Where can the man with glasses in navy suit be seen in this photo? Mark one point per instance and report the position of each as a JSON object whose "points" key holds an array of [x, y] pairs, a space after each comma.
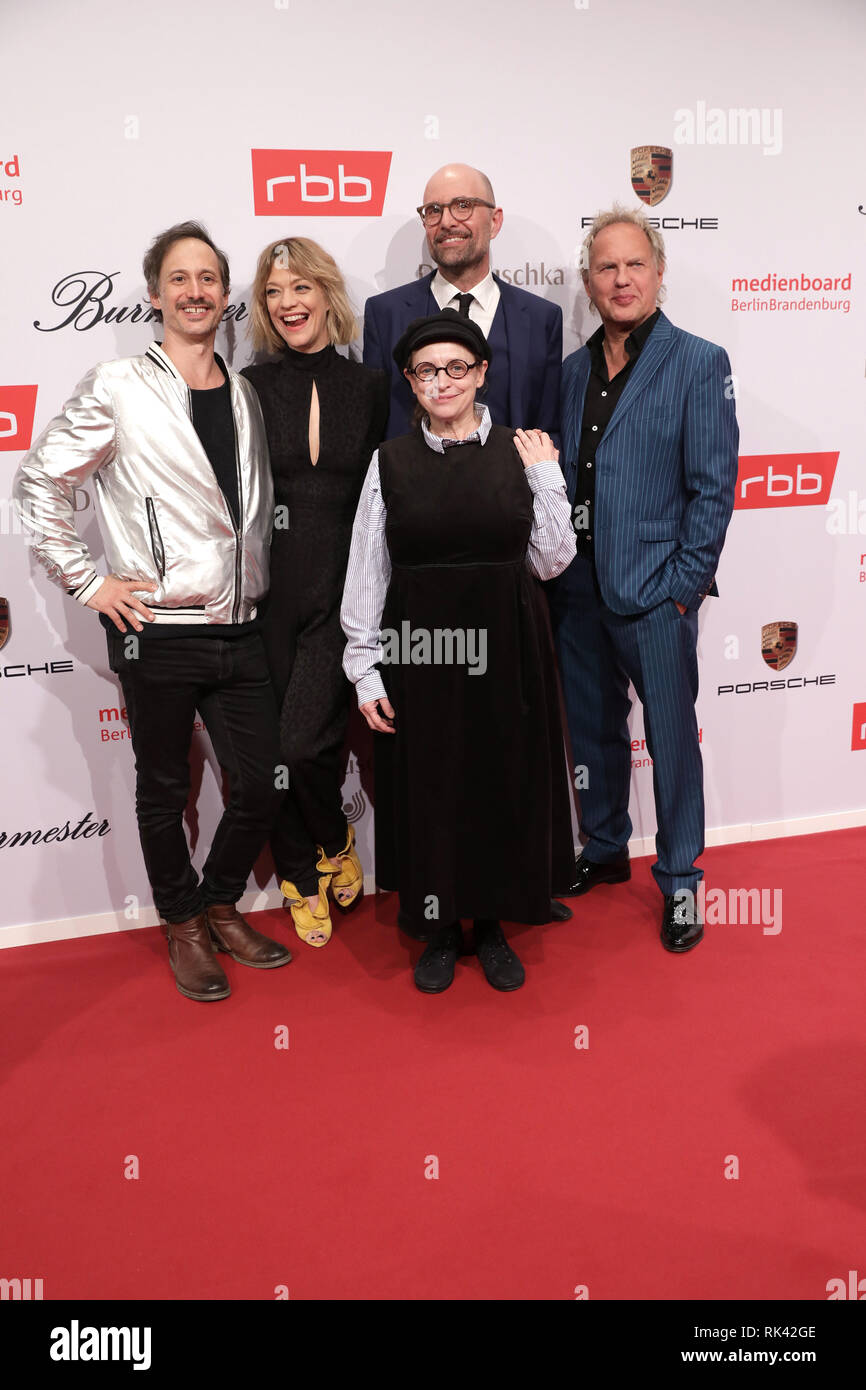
{"points": [[461, 218], [649, 445]]}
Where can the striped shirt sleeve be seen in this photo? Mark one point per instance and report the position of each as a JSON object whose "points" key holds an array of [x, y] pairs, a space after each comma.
{"points": [[552, 542], [367, 577]]}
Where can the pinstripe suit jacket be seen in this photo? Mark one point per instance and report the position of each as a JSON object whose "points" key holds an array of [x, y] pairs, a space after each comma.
{"points": [[666, 470]]}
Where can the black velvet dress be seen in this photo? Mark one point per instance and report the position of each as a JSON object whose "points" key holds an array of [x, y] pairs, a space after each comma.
{"points": [[315, 507], [473, 813]]}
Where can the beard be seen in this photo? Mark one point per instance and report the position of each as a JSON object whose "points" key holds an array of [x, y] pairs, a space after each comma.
{"points": [[462, 256]]}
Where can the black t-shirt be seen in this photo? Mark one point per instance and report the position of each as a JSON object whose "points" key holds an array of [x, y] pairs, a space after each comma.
{"points": [[215, 426]]}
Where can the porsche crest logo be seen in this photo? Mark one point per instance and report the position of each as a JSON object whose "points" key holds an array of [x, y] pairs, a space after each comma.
{"points": [[779, 644], [4, 621], [651, 172]]}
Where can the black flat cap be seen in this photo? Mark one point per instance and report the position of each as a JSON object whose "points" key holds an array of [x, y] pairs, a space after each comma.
{"points": [[447, 327]]}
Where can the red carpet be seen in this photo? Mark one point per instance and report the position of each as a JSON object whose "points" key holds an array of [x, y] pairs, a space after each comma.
{"points": [[558, 1166]]}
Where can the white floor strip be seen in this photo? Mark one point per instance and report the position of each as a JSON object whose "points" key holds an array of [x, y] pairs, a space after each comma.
{"points": [[30, 934]]}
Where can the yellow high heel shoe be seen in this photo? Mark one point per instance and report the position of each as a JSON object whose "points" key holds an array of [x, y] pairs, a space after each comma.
{"points": [[309, 924], [349, 882]]}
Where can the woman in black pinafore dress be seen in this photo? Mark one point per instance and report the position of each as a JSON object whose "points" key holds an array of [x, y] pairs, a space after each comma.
{"points": [[324, 416], [454, 664]]}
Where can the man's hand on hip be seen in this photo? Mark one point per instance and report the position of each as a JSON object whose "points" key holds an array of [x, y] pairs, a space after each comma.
{"points": [[115, 598]]}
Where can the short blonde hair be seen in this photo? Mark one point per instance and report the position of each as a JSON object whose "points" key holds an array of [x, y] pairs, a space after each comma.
{"points": [[304, 257], [637, 218]]}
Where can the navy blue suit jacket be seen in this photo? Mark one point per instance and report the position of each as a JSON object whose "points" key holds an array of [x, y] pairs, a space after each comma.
{"points": [[534, 328], [666, 470]]}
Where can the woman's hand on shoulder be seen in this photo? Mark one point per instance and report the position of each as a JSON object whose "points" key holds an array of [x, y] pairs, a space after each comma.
{"points": [[370, 711], [534, 446]]}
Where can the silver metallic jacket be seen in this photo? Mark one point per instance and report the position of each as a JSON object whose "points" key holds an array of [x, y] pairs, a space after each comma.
{"points": [[162, 514]]}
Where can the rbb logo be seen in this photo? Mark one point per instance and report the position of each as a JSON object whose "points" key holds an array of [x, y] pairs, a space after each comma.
{"points": [[858, 727], [785, 480], [320, 183], [17, 408]]}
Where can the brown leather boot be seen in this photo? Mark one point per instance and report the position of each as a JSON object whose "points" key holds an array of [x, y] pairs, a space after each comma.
{"points": [[198, 974], [242, 942]]}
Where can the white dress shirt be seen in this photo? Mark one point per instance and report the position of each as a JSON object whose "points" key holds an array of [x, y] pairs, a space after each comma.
{"points": [[484, 305], [551, 549]]}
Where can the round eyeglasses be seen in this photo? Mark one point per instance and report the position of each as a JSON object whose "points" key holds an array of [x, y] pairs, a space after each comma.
{"points": [[461, 209], [426, 371]]}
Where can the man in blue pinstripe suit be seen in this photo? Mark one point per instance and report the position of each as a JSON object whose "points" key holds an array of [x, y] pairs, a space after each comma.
{"points": [[649, 437]]}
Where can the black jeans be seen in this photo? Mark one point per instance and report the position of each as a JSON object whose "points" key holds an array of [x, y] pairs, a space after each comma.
{"points": [[228, 682]]}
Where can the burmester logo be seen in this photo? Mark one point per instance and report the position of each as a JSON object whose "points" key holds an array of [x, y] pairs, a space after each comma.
{"points": [[785, 480], [320, 183], [17, 408]]}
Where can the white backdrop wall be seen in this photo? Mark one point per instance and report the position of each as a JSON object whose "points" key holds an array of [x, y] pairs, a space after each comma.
{"points": [[117, 119]]}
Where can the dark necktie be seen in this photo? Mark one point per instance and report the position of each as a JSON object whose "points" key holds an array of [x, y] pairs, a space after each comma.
{"points": [[464, 300]]}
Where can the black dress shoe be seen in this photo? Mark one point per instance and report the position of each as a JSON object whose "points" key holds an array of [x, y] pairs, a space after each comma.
{"points": [[559, 912], [498, 961], [681, 927], [587, 874], [435, 970]]}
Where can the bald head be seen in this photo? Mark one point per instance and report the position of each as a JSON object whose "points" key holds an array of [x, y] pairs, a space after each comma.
{"points": [[462, 180], [460, 245]]}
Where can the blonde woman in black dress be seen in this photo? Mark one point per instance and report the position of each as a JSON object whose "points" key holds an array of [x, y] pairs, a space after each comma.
{"points": [[324, 417]]}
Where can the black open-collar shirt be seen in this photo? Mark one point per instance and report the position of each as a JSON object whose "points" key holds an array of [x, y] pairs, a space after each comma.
{"points": [[602, 395]]}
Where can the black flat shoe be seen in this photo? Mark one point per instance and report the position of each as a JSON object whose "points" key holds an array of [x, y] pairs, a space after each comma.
{"points": [[588, 874], [499, 963], [435, 970], [559, 912], [681, 927]]}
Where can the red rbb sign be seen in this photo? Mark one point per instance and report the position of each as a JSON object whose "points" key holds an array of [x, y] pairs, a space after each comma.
{"points": [[784, 480], [17, 408], [320, 183], [858, 727]]}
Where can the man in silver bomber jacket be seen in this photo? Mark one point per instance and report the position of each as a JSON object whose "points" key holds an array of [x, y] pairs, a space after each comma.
{"points": [[174, 443]]}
